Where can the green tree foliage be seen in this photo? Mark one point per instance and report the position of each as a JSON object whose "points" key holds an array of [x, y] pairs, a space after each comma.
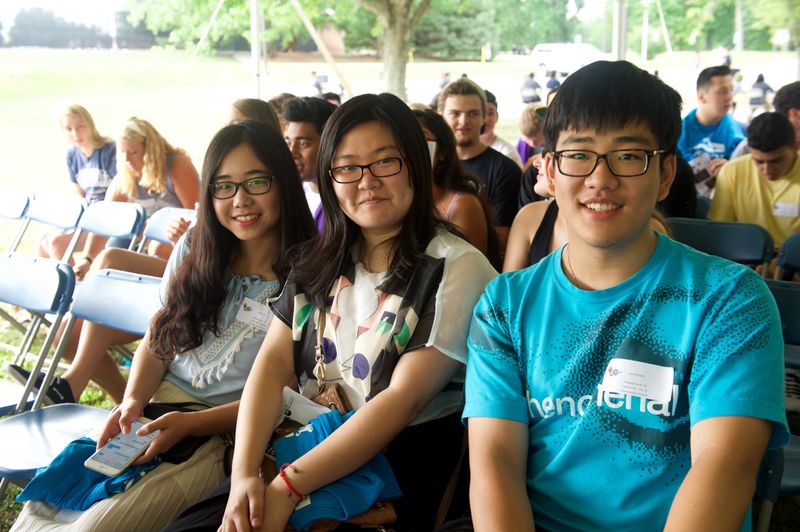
{"points": [[773, 14], [360, 26], [529, 22], [181, 23], [456, 29], [39, 27]]}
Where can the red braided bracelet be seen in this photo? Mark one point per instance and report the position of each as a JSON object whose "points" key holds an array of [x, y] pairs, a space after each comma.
{"points": [[292, 490]]}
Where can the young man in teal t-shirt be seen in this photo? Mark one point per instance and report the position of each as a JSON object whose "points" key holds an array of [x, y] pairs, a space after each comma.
{"points": [[626, 381]]}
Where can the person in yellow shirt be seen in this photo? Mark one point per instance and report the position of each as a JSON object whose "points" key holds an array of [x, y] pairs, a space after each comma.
{"points": [[763, 187]]}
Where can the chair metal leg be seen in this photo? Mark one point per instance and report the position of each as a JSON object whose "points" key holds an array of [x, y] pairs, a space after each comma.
{"points": [[764, 516], [27, 340], [51, 371], [12, 320]]}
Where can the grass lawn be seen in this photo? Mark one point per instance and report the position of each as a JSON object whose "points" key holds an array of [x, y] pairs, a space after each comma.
{"points": [[187, 98]]}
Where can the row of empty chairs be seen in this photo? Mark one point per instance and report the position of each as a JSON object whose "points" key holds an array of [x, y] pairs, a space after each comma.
{"points": [[47, 290], [120, 300], [69, 212]]}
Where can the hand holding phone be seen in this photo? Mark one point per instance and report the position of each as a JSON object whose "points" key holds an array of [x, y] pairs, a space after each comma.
{"points": [[119, 420], [121, 451]]}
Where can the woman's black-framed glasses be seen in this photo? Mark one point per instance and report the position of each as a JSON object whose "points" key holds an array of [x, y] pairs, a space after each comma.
{"points": [[254, 186], [621, 163], [352, 173]]}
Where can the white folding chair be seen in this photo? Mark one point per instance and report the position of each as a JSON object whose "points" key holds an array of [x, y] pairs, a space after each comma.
{"points": [[118, 219], [112, 298], [156, 226], [61, 211], [14, 206], [41, 286]]}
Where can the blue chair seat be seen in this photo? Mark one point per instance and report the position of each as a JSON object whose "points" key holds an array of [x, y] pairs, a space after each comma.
{"points": [[32, 440]]}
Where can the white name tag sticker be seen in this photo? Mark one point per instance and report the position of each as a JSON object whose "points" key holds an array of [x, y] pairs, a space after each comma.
{"points": [[639, 378], [253, 313], [791, 210]]}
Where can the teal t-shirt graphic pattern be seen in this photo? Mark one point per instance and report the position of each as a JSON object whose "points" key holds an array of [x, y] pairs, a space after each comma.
{"points": [[545, 353]]}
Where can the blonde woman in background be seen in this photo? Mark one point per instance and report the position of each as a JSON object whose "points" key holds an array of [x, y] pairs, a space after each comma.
{"points": [[92, 164], [153, 173]]}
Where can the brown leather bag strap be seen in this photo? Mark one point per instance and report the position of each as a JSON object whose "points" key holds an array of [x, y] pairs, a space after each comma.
{"points": [[319, 367]]}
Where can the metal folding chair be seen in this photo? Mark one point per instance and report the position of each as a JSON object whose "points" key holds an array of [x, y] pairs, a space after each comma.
{"points": [[62, 211], [112, 298], [768, 485], [32, 440], [736, 241], [789, 255], [41, 286], [702, 207], [14, 206], [119, 300], [156, 226], [117, 219]]}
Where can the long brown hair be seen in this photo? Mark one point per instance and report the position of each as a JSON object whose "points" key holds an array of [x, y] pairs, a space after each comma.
{"points": [[324, 259], [197, 292]]}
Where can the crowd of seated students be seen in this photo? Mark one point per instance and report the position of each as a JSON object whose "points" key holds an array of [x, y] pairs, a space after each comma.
{"points": [[379, 298]]}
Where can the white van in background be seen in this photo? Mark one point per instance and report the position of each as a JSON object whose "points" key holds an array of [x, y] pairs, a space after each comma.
{"points": [[564, 58]]}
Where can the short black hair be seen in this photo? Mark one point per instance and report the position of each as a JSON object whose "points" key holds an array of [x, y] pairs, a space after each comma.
{"points": [[770, 131], [309, 109], [331, 96], [787, 97], [606, 96], [490, 97], [704, 79]]}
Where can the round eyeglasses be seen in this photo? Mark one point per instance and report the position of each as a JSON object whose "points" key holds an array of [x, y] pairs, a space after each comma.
{"points": [[254, 186], [621, 163], [352, 173]]}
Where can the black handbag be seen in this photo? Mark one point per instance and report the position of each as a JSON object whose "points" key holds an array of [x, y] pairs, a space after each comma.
{"points": [[184, 449]]}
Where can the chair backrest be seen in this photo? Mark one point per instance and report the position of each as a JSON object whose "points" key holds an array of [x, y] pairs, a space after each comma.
{"points": [[14, 203], [38, 285], [113, 219], [787, 296], [119, 300], [702, 206], [63, 211], [156, 226], [119, 219], [14, 206], [789, 255], [737, 241]]}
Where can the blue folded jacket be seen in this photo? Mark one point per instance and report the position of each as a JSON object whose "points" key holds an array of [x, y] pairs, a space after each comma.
{"points": [[67, 484], [348, 496]]}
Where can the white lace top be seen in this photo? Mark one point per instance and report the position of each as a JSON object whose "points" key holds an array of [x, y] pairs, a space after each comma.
{"points": [[215, 372]]}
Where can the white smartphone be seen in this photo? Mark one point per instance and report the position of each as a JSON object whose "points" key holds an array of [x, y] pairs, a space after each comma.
{"points": [[112, 458]]}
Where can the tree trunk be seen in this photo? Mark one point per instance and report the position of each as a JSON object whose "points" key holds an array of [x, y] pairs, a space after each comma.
{"points": [[399, 19], [395, 56]]}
